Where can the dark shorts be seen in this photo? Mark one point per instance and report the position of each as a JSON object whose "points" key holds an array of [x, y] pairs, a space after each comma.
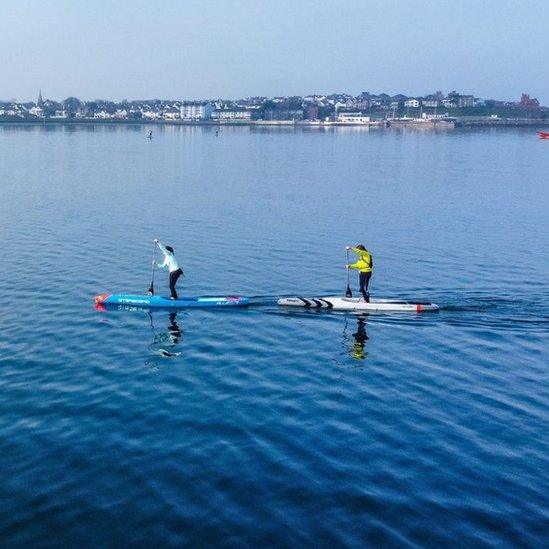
{"points": [[174, 275], [364, 279]]}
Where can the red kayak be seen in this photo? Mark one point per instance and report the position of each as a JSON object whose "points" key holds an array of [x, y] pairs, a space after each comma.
{"points": [[543, 135]]}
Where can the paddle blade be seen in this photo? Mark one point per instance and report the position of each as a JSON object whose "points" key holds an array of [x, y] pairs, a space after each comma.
{"points": [[150, 290], [348, 292]]}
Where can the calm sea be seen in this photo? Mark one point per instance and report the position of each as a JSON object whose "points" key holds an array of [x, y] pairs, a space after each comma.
{"points": [[265, 426]]}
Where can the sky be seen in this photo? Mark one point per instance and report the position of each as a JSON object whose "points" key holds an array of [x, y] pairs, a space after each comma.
{"points": [[193, 49]]}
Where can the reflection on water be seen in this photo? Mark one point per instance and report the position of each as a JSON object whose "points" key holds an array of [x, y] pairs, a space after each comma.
{"points": [[360, 337], [355, 345], [165, 341], [165, 337]]}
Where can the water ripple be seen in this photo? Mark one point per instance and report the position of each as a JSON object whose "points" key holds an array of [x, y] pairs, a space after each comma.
{"points": [[266, 426]]}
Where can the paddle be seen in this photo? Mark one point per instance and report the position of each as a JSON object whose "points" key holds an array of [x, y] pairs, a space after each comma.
{"points": [[348, 292], [151, 287]]}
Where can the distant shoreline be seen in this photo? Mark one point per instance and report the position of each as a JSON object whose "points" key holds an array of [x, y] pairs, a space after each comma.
{"points": [[429, 124]]}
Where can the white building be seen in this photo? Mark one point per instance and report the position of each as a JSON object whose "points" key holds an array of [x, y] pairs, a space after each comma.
{"points": [[171, 113], [196, 111], [449, 103], [102, 115], [37, 111], [414, 103], [352, 118], [466, 101], [232, 114], [151, 115], [431, 103]]}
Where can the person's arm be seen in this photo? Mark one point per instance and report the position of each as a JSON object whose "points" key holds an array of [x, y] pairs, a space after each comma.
{"points": [[162, 265], [353, 266], [162, 248], [365, 255]]}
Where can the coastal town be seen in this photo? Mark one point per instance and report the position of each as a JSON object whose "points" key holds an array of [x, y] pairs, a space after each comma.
{"points": [[366, 109]]}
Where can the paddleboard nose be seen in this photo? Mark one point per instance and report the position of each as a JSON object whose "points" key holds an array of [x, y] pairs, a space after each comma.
{"points": [[101, 298]]}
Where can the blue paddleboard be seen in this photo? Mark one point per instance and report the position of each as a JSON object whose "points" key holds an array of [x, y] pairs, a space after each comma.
{"points": [[166, 302]]}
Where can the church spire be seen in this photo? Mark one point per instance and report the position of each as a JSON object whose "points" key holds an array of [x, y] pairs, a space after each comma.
{"points": [[40, 100]]}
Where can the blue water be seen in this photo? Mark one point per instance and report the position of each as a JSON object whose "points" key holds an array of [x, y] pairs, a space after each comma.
{"points": [[265, 426]]}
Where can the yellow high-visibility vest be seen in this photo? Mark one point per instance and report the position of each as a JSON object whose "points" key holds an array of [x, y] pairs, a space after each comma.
{"points": [[364, 263]]}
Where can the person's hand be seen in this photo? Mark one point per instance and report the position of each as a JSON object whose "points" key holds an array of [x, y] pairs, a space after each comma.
{"points": [[154, 262], [347, 266], [155, 240], [347, 247]]}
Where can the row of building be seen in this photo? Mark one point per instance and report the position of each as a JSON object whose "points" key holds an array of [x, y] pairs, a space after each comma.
{"points": [[335, 107]]}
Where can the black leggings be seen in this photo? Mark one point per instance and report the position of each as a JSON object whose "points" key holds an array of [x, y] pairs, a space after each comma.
{"points": [[174, 275], [364, 279]]}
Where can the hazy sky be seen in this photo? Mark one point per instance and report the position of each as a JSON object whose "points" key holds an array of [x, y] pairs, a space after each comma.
{"points": [[236, 48]]}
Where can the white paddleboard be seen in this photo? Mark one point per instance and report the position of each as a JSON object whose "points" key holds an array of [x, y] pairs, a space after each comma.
{"points": [[357, 304]]}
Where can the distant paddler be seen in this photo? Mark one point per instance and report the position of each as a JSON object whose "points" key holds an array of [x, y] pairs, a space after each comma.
{"points": [[171, 264], [364, 267]]}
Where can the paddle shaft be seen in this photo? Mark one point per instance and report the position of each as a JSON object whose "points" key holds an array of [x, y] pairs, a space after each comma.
{"points": [[151, 287], [348, 292]]}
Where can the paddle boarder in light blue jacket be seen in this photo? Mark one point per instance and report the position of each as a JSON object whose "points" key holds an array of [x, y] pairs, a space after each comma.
{"points": [[171, 264]]}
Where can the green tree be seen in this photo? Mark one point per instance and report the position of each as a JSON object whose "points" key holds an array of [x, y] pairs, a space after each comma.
{"points": [[71, 104], [267, 110]]}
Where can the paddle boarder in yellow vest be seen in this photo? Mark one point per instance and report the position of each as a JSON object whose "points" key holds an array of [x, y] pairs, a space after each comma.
{"points": [[364, 267]]}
